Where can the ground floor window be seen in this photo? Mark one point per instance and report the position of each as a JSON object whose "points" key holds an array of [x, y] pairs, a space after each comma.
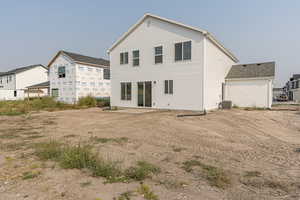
{"points": [[125, 91], [168, 86], [15, 93], [54, 93]]}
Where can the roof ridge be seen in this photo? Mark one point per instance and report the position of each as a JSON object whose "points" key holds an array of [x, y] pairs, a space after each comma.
{"points": [[68, 52]]}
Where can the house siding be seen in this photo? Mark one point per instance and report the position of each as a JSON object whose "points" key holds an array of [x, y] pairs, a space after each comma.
{"points": [[250, 93], [217, 66], [187, 76]]}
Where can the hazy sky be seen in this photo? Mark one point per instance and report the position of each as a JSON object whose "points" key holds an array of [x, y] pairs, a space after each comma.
{"points": [[32, 31]]}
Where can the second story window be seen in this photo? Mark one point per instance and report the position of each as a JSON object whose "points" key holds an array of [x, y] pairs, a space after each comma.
{"points": [[124, 58], [183, 51], [10, 78], [62, 72], [136, 58], [158, 54], [106, 74]]}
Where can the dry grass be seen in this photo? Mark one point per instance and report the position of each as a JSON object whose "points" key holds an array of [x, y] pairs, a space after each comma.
{"points": [[216, 176]]}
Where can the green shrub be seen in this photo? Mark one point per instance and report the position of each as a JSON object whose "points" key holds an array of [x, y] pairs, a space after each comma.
{"points": [[215, 176], [147, 193], [49, 151], [30, 175], [87, 101], [142, 171], [103, 102]]}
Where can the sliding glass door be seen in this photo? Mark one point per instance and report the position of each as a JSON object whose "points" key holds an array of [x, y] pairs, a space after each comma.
{"points": [[144, 94]]}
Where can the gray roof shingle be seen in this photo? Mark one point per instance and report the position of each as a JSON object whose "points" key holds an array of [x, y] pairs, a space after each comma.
{"points": [[42, 85], [254, 70], [86, 59], [21, 69]]}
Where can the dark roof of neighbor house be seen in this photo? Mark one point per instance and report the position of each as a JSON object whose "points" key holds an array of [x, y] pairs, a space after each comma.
{"points": [[40, 85], [82, 59], [296, 76], [254, 70], [21, 69]]}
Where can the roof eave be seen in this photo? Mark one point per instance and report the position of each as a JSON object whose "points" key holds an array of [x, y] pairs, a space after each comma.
{"points": [[251, 78]]}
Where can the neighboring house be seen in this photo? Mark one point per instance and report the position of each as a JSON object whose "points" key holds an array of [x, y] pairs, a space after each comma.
{"points": [[14, 82], [251, 85], [38, 90], [292, 88], [73, 76], [277, 92], [160, 63]]}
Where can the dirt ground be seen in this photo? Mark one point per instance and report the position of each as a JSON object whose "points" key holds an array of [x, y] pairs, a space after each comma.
{"points": [[257, 150]]}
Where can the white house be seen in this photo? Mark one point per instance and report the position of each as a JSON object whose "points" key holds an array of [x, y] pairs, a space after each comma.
{"points": [[160, 63], [14, 83], [73, 76], [251, 85]]}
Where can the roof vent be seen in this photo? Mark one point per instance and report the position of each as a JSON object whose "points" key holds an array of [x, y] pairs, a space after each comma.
{"points": [[258, 64], [244, 65]]}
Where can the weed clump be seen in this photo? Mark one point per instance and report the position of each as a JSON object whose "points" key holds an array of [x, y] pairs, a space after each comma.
{"points": [[215, 176]]}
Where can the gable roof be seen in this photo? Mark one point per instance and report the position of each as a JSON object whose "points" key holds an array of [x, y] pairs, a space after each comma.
{"points": [[21, 69], [255, 70], [82, 59], [204, 32]]}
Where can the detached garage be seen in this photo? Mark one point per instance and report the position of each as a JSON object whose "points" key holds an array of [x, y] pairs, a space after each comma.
{"points": [[250, 85]]}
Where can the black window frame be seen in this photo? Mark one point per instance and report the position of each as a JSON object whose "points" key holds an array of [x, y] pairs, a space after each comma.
{"points": [[169, 87], [60, 73], [136, 58], [183, 51], [56, 89], [124, 58], [106, 74], [126, 91], [158, 56]]}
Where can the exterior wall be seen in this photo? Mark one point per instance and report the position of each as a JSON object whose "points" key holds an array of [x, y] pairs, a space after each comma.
{"points": [[31, 77], [65, 86], [9, 95], [187, 76], [296, 95], [8, 85], [217, 66], [80, 81], [249, 93], [90, 81]]}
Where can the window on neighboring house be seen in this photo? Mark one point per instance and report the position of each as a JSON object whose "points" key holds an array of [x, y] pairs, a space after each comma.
{"points": [[168, 86], [136, 58], [7, 79], [297, 84], [62, 72], [183, 51], [125, 91], [158, 54], [55, 93], [1, 80], [124, 58], [15, 93], [10, 78], [106, 74]]}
